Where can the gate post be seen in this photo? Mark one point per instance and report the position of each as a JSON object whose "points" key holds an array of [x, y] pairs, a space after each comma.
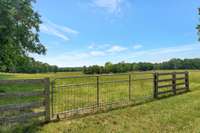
{"points": [[155, 81], [187, 81], [174, 82], [52, 94], [97, 91], [129, 91], [47, 99]]}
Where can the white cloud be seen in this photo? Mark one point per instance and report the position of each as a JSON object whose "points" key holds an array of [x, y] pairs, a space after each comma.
{"points": [[105, 49], [97, 53], [52, 31], [59, 31], [137, 46], [80, 58], [112, 6], [116, 49], [98, 46], [167, 50], [63, 28], [71, 59], [92, 46]]}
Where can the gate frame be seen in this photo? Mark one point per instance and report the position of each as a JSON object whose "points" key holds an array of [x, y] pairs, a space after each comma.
{"points": [[174, 78], [98, 105]]}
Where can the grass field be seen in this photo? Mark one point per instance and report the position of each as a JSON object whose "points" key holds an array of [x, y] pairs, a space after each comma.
{"points": [[174, 114]]}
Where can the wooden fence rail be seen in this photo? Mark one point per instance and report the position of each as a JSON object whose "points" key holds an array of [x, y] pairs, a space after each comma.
{"points": [[44, 96], [169, 83], [164, 83]]}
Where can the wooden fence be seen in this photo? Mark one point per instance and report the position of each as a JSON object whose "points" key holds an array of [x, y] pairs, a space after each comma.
{"points": [[66, 98], [172, 82], [24, 116]]}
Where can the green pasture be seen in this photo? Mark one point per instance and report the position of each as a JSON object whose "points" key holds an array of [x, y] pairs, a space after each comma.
{"points": [[173, 114]]}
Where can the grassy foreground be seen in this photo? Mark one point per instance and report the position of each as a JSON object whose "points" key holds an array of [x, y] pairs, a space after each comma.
{"points": [[174, 114]]}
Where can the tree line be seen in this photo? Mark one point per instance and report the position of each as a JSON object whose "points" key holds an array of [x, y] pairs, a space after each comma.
{"points": [[30, 65], [19, 37], [143, 66]]}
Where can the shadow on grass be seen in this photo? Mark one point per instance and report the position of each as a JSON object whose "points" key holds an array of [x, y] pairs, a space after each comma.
{"points": [[136, 104], [35, 126]]}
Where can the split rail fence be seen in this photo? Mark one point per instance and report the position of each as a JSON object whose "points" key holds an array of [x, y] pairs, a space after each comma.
{"points": [[70, 96], [24, 111], [174, 82], [86, 94]]}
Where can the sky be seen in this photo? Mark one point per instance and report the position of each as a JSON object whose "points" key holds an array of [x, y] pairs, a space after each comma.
{"points": [[89, 32]]}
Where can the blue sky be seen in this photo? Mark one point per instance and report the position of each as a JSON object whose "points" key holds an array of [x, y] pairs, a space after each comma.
{"points": [[88, 32]]}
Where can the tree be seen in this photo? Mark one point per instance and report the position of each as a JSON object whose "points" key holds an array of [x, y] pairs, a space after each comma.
{"points": [[19, 27], [108, 67], [143, 66]]}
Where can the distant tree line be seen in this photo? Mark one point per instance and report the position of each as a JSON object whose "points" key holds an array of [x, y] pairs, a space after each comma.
{"points": [[29, 65], [70, 69], [143, 66]]}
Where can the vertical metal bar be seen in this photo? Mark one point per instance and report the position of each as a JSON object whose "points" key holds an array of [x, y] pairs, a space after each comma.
{"points": [[97, 91], [47, 99], [187, 81], [66, 100], [63, 99], [174, 82], [155, 90], [52, 93], [129, 92]]}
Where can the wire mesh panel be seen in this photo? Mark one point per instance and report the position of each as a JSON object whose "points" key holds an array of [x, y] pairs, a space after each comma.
{"points": [[142, 85], [72, 95], [85, 94], [114, 89]]}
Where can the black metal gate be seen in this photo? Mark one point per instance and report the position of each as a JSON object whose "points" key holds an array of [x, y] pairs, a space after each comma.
{"points": [[86, 94]]}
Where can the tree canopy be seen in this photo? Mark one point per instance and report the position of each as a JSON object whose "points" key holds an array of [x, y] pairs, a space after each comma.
{"points": [[122, 67], [19, 27]]}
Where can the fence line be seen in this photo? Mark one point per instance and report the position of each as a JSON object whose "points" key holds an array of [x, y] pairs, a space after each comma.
{"points": [[96, 92], [25, 106], [84, 94]]}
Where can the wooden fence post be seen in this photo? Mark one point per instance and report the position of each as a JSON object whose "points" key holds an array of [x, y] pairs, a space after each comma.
{"points": [[155, 90], [47, 99], [97, 91], [174, 82], [187, 81], [129, 91]]}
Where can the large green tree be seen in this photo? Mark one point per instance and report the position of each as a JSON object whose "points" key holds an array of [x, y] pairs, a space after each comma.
{"points": [[19, 27]]}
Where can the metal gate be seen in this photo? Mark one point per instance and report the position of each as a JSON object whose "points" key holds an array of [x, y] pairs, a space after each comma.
{"points": [[87, 94], [72, 96]]}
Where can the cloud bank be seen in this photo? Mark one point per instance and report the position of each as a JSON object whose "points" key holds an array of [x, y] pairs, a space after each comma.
{"points": [[59, 31]]}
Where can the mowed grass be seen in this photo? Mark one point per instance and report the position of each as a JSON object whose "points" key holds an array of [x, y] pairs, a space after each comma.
{"points": [[174, 114]]}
